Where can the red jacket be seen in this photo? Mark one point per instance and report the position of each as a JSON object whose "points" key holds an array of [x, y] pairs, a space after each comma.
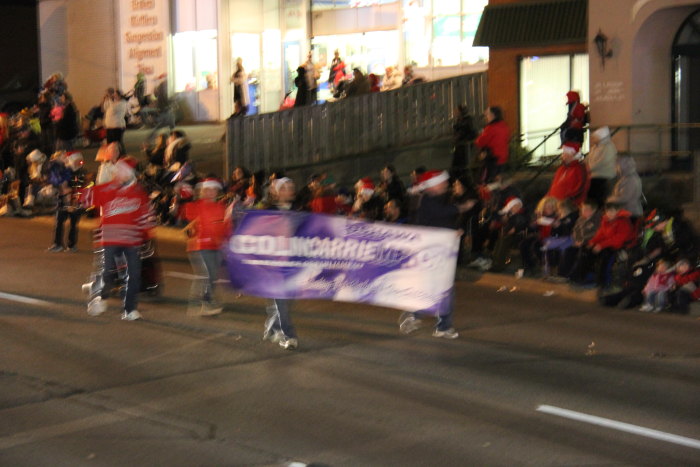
{"points": [[614, 233], [126, 213], [210, 228], [571, 182], [690, 277], [496, 138]]}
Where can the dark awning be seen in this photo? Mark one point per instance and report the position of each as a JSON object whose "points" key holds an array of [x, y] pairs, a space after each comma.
{"points": [[533, 24]]}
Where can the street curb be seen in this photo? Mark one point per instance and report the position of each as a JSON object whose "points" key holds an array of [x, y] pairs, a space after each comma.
{"points": [[502, 282], [507, 283]]}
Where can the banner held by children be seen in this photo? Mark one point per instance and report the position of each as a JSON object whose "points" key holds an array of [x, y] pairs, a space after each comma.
{"points": [[282, 254]]}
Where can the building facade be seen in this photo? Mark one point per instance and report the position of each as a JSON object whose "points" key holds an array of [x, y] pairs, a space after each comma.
{"points": [[635, 62], [101, 43]]}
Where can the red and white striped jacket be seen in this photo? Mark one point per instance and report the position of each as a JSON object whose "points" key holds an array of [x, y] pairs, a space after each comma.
{"points": [[126, 214]]}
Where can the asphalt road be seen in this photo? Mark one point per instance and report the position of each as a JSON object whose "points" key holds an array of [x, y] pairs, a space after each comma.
{"points": [[532, 380]]}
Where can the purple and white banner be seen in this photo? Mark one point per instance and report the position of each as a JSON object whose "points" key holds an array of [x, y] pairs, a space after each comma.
{"points": [[282, 254]]}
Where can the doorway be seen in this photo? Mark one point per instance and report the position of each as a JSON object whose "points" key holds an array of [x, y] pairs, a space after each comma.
{"points": [[686, 95]]}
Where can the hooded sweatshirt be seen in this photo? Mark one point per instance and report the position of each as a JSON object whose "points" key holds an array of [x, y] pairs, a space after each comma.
{"points": [[614, 233], [628, 189], [603, 156]]}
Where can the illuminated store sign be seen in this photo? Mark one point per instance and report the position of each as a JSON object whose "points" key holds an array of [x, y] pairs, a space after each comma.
{"points": [[144, 28]]}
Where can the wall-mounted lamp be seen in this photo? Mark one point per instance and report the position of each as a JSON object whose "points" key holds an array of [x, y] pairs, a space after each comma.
{"points": [[601, 43]]}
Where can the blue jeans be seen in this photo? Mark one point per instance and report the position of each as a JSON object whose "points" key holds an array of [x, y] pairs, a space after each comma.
{"points": [[444, 321], [133, 273], [279, 317], [205, 265], [656, 299]]}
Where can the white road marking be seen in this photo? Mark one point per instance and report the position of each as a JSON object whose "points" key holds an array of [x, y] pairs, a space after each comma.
{"points": [[191, 277], [621, 426], [23, 299]]}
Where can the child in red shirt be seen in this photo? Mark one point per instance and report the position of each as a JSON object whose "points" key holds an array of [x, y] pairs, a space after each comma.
{"points": [[207, 228]]}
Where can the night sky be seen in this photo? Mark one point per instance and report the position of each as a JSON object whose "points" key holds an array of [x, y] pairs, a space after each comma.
{"points": [[19, 42]]}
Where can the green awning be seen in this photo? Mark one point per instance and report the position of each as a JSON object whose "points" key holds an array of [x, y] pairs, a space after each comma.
{"points": [[533, 24]]}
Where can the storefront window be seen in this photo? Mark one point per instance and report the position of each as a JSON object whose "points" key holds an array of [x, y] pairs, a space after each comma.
{"points": [[195, 58], [471, 54], [443, 30], [371, 52], [333, 4], [446, 40], [446, 7], [544, 82]]}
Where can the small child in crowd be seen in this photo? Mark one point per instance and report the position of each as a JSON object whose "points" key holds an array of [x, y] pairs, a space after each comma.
{"points": [[686, 286], [657, 288]]}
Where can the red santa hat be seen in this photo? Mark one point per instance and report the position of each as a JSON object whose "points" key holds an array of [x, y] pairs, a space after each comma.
{"points": [[74, 159], [365, 186], [511, 202], [432, 178], [210, 182]]}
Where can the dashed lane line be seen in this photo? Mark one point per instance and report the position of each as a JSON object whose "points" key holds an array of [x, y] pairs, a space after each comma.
{"points": [[23, 299], [620, 426]]}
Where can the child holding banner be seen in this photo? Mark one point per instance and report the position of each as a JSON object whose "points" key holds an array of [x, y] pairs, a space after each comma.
{"points": [[435, 209], [278, 326]]}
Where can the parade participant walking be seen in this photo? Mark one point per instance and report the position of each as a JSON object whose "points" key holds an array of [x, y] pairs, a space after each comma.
{"points": [[71, 175], [436, 210], [278, 326], [126, 221], [206, 230]]}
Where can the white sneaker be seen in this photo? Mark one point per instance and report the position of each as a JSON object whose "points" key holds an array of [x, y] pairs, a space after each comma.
{"points": [[273, 336], [209, 310], [446, 334], [96, 307], [485, 265], [476, 263], [646, 308], [408, 323], [133, 315], [288, 343], [86, 287]]}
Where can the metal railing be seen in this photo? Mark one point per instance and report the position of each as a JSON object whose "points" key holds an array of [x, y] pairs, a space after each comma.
{"points": [[658, 149], [323, 133]]}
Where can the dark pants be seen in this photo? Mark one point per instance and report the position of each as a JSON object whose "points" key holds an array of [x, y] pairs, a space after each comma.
{"points": [[681, 300], [460, 159], [598, 190], [61, 216], [490, 169], [502, 250], [567, 259], [116, 135], [531, 252], [133, 271]]}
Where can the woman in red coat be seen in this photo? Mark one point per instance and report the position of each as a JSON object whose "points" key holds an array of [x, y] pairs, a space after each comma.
{"points": [[493, 143]]}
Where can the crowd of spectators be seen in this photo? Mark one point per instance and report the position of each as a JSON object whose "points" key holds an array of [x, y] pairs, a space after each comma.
{"points": [[590, 229]]}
